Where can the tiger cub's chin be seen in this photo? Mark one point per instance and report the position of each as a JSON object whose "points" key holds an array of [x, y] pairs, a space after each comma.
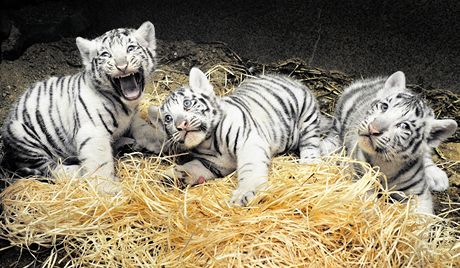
{"points": [[366, 144], [194, 138]]}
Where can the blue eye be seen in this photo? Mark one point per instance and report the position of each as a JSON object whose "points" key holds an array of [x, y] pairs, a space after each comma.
{"points": [[168, 119], [383, 106], [187, 104], [404, 126], [105, 54], [131, 48]]}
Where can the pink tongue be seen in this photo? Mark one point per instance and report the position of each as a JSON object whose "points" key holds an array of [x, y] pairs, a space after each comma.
{"points": [[129, 87]]}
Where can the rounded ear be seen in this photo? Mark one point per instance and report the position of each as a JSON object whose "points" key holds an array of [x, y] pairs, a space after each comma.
{"points": [[145, 35], [440, 131], [154, 114], [199, 82], [87, 49], [396, 80]]}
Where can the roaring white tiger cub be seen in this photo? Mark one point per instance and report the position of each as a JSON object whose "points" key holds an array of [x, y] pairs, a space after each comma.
{"points": [[265, 116], [74, 119], [383, 123]]}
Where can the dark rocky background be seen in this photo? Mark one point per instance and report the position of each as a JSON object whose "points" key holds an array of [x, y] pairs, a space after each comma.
{"points": [[357, 37], [362, 38]]}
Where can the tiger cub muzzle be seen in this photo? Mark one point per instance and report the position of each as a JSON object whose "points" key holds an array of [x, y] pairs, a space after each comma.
{"points": [[371, 136], [190, 132]]}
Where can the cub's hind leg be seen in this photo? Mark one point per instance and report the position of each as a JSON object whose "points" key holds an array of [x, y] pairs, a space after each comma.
{"points": [[25, 154]]}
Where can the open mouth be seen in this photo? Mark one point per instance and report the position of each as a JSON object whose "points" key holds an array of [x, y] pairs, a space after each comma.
{"points": [[130, 86]]}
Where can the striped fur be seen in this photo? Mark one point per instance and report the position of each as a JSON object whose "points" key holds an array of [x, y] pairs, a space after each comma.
{"points": [[74, 119], [264, 117], [381, 122]]}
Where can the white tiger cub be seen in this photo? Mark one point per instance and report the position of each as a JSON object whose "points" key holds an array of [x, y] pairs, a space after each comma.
{"points": [[383, 123], [264, 117], [74, 119]]}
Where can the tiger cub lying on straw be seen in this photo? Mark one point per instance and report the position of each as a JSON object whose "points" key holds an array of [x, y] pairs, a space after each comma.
{"points": [[383, 123], [265, 116], [74, 119]]}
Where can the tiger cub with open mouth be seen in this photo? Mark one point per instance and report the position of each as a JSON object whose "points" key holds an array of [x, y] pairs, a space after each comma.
{"points": [[72, 120]]}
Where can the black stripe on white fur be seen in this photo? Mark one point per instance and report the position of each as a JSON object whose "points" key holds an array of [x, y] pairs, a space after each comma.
{"points": [[74, 119]]}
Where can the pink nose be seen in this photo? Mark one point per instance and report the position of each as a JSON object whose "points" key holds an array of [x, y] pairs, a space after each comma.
{"points": [[182, 125], [374, 129], [122, 67]]}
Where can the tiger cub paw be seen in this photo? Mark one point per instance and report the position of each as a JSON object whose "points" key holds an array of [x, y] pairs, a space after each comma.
{"points": [[107, 186], [437, 179], [183, 176], [328, 147], [66, 171], [242, 197]]}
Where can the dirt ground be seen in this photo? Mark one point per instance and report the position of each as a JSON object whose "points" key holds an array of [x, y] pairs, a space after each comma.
{"points": [[60, 58]]}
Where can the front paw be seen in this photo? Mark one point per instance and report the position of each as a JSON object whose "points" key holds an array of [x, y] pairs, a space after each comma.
{"points": [[328, 147], [242, 197], [437, 179], [106, 186], [183, 176], [66, 171]]}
